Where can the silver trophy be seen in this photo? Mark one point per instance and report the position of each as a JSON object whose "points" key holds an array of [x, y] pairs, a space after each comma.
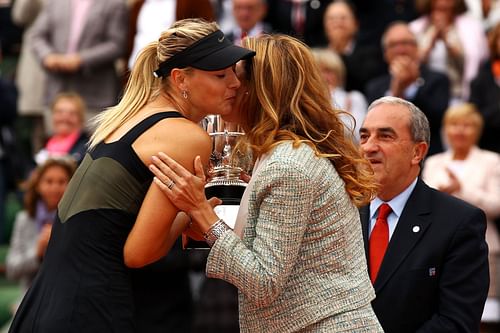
{"points": [[225, 168]]}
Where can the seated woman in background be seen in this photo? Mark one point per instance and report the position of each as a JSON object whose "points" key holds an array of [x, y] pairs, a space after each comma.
{"points": [[362, 61], [68, 122], [473, 175], [352, 102], [33, 224], [450, 42]]}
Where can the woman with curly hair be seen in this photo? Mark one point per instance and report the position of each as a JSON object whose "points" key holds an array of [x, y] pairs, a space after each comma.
{"points": [[296, 253]]}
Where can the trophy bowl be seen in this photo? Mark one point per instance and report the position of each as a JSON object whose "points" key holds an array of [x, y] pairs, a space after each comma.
{"points": [[225, 168]]}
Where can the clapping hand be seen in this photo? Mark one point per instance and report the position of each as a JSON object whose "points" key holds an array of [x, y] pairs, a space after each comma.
{"points": [[453, 185]]}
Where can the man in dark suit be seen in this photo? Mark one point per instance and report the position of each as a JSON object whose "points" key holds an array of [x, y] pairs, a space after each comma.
{"points": [[248, 16], [433, 271], [299, 18], [411, 80]]}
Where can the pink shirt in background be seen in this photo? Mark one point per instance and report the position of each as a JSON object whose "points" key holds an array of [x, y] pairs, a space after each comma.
{"points": [[79, 10]]}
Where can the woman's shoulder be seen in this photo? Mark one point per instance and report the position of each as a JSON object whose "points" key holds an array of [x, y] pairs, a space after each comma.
{"points": [[178, 127], [436, 158], [485, 156], [299, 157], [23, 219], [289, 151], [180, 138]]}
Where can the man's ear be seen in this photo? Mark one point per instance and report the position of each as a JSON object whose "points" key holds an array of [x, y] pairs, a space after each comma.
{"points": [[419, 151]]}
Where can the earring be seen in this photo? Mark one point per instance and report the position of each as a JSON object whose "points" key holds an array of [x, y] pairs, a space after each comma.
{"points": [[185, 94]]}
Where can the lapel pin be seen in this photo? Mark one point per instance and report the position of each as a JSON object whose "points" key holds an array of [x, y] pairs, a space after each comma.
{"points": [[315, 4], [432, 271], [416, 229]]}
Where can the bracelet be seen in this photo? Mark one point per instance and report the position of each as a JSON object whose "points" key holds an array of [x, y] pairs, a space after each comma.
{"points": [[216, 230]]}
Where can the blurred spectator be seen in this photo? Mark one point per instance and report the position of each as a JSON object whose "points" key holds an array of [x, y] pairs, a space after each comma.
{"points": [[8, 113], [299, 18], [148, 18], [30, 78], [473, 175], [10, 38], [78, 43], [224, 14], [486, 11], [362, 62], [69, 137], [411, 80], [450, 42], [375, 16], [32, 227], [352, 102], [485, 94], [248, 15]]}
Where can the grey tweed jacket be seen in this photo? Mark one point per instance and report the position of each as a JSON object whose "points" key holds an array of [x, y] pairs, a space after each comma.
{"points": [[301, 260]]}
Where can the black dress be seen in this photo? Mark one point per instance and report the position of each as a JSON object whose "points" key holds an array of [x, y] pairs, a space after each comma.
{"points": [[83, 284]]}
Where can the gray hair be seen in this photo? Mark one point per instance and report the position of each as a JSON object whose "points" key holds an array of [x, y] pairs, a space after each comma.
{"points": [[419, 124]]}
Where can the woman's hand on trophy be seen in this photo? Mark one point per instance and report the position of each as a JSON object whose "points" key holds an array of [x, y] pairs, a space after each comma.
{"points": [[185, 190]]}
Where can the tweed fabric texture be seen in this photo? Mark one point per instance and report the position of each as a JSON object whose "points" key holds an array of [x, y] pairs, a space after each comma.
{"points": [[301, 260]]}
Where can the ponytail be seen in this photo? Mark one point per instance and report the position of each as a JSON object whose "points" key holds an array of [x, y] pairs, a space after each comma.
{"points": [[141, 87]]}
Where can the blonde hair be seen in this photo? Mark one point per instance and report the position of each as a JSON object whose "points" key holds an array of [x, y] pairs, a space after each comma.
{"points": [[330, 60], [142, 86], [76, 99], [464, 111], [287, 100]]}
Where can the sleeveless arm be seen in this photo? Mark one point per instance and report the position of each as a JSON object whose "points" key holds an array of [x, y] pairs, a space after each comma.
{"points": [[154, 231]]}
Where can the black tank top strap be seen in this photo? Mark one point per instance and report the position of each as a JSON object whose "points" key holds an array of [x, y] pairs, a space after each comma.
{"points": [[146, 123]]}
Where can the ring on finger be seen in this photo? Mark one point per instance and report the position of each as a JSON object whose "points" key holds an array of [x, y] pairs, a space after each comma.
{"points": [[170, 184]]}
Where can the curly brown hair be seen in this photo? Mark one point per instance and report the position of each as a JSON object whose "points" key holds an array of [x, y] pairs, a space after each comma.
{"points": [[288, 100]]}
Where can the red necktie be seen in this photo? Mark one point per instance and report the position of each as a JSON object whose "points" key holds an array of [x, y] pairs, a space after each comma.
{"points": [[379, 239], [298, 16], [244, 34]]}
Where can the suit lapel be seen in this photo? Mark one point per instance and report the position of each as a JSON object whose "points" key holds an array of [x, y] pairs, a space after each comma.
{"points": [[364, 214], [411, 227], [89, 25], [64, 11]]}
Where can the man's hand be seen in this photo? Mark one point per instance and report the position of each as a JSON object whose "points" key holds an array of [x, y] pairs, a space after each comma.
{"points": [[404, 71], [65, 63]]}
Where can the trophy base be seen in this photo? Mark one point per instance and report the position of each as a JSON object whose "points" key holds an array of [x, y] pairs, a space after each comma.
{"points": [[228, 210], [229, 194]]}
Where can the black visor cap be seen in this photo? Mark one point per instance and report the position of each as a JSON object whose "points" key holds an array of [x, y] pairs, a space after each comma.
{"points": [[211, 53]]}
